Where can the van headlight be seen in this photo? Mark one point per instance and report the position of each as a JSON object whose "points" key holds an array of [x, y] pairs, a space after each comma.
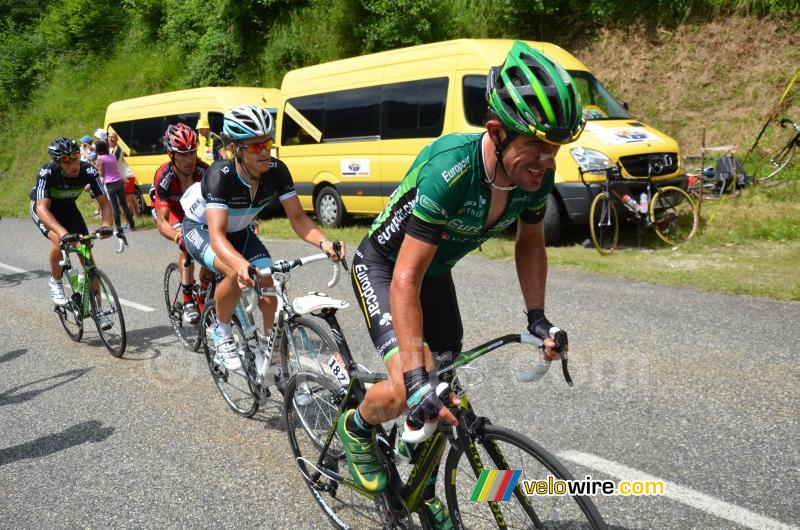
{"points": [[589, 159]]}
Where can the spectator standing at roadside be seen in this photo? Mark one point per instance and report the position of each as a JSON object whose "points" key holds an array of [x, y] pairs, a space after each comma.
{"points": [[125, 171], [87, 149], [209, 145], [107, 167]]}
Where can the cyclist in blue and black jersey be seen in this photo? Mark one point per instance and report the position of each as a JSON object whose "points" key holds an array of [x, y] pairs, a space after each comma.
{"points": [[221, 207], [53, 209], [460, 191]]}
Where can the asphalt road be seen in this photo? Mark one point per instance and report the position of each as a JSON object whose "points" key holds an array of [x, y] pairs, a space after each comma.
{"points": [[699, 390]]}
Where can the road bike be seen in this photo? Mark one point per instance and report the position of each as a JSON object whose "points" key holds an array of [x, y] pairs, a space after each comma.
{"points": [[295, 344], [667, 210], [774, 162], [313, 404], [188, 333], [90, 294]]}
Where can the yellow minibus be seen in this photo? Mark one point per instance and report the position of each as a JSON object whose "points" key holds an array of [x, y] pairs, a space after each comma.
{"points": [[349, 130], [140, 122]]}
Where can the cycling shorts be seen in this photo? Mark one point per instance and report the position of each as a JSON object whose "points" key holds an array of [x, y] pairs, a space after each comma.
{"points": [[246, 242], [66, 214], [371, 275]]}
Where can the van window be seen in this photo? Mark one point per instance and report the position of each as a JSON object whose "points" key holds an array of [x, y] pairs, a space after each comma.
{"points": [[474, 89], [352, 114], [312, 108], [598, 103], [414, 109], [143, 136], [215, 121]]}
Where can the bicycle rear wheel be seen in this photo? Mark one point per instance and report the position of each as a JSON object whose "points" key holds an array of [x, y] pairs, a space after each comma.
{"points": [[71, 315], [503, 449], [775, 161], [604, 223], [310, 410], [107, 313], [674, 215], [188, 334], [234, 386]]}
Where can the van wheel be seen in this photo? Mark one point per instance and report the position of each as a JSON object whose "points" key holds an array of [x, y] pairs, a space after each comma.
{"points": [[552, 221], [329, 208], [139, 198]]}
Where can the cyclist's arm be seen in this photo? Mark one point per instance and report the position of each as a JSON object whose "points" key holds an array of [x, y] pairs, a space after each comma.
{"points": [[162, 223], [49, 220], [305, 228], [531, 257], [413, 260], [105, 210]]}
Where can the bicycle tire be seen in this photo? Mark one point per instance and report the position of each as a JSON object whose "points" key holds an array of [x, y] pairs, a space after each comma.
{"points": [[114, 337], [536, 511], [188, 334], [775, 162], [344, 507], [310, 349], [234, 387], [604, 224], [674, 215], [71, 314]]}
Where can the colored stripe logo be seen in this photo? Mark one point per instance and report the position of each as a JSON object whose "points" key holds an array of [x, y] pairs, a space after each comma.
{"points": [[495, 485]]}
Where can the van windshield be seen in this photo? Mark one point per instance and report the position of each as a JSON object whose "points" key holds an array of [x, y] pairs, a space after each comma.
{"points": [[598, 103]]}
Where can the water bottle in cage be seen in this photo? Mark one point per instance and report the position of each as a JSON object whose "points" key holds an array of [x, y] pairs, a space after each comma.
{"points": [[630, 202], [643, 202]]}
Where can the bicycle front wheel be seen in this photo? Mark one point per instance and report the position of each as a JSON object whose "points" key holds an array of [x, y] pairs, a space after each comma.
{"points": [[188, 334], [71, 315], [310, 410], [503, 449], [604, 224], [773, 163], [308, 348], [107, 313], [674, 215], [234, 386]]}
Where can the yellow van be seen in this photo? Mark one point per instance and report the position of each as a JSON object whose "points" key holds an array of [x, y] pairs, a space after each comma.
{"points": [[350, 129], [140, 122]]}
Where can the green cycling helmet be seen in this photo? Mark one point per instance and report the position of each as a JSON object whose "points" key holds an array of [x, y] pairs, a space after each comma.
{"points": [[533, 95]]}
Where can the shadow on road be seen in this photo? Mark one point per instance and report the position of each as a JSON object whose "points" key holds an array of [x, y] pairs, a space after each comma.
{"points": [[142, 344], [14, 396], [87, 431], [13, 354], [16, 278]]}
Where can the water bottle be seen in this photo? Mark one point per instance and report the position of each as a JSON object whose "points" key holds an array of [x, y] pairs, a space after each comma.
{"points": [[630, 203], [643, 202], [81, 281]]}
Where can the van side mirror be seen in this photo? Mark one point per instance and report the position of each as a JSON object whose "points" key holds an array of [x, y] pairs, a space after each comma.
{"points": [[625, 106]]}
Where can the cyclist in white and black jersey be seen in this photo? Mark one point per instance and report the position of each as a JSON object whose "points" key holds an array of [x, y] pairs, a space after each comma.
{"points": [[220, 208]]}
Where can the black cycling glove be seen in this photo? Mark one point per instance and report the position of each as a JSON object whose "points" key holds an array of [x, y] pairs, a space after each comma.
{"points": [[69, 238], [539, 326], [423, 403]]}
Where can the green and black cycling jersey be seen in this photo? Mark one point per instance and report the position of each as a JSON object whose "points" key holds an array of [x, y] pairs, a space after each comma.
{"points": [[52, 184], [444, 200]]}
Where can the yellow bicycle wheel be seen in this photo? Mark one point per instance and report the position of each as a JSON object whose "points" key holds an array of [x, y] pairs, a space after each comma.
{"points": [[604, 223], [674, 215]]}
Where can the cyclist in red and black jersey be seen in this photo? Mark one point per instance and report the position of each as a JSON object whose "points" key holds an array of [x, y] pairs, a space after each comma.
{"points": [[171, 180]]}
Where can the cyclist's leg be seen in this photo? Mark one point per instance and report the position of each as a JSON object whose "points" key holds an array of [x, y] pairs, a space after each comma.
{"points": [[256, 253]]}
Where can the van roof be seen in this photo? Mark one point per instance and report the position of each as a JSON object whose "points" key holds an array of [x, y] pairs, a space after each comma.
{"points": [[226, 97], [488, 51]]}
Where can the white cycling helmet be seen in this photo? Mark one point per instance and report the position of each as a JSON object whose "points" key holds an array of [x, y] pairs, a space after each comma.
{"points": [[248, 121]]}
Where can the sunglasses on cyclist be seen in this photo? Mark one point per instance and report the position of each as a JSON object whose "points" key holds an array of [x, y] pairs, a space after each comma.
{"points": [[258, 147], [67, 158]]}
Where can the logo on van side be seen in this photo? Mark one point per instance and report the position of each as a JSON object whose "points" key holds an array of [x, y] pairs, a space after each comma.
{"points": [[358, 167]]}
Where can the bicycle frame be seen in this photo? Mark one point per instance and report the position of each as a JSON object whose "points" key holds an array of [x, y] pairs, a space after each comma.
{"points": [[84, 251], [429, 453]]}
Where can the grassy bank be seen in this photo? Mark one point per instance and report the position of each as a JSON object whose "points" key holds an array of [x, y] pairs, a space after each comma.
{"points": [[750, 247]]}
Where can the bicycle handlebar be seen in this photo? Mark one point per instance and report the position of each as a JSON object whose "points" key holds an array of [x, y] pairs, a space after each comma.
{"points": [[560, 338]]}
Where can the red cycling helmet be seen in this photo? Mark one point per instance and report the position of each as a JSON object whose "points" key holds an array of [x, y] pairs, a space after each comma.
{"points": [[180, 138]]}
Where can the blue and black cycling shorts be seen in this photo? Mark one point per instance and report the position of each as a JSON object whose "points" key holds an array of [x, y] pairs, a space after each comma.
{"points": [[371, 275], [246, 242]]}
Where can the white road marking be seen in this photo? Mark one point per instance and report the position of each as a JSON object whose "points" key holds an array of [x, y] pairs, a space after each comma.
{"points": [[12, 269], [122, 301], [682, 494]]}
